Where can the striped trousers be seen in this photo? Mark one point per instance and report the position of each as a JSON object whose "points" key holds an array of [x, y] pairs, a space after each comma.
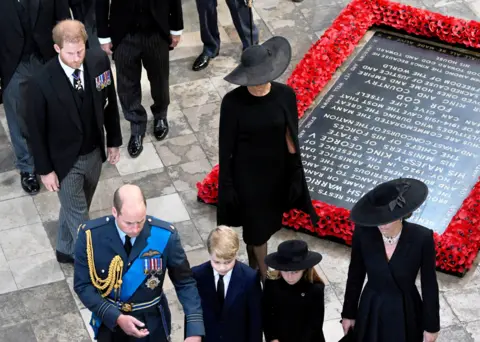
{"points": [[75, 194], [151, 50]]}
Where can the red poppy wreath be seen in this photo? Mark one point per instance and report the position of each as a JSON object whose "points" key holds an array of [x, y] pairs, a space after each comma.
{"points": [[458, 246]]}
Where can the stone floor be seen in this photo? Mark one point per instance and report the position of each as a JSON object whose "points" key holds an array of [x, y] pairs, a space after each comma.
{"points": [[36, 298]]}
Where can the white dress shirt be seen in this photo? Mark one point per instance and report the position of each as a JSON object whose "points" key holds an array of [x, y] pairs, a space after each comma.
{"points": [[226, 280], [122, 235], [69, 72], [109, 40]]}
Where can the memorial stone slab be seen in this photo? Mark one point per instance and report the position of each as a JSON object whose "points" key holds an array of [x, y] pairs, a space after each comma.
{"points": [[403, 108]]}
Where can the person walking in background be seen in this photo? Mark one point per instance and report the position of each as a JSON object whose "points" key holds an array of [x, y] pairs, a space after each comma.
{"points": [[261, 173], [141, 32], [230, 291], [293, 302], [25, 44], [207, 13], [71, 100], [391, 252]]}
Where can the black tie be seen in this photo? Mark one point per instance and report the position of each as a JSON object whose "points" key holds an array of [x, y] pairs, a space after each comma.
{"points": [[220, 290], [77, 82], [128, 245]]}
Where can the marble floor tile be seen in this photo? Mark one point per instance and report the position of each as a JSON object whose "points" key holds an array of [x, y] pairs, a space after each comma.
{"points": [[189, 235], [47, 301], [274, 9], [473, 328], [7, 283], [147, 160], [103, 198], [185, 176], [203, 118], [18, 212], [153, 183], [464, 303], [66, 328], [339, 289], [198, 256], [127, 133], [51, 229], [12, 310], [38, 270], [179, 150], [209, 142], [177, 124], [458, 10], [194, 207], [86, 316], [19, 332], [168, 208], [108, 171], [332, 330], [76, 299], [68, 270], [222, 86], [194, 93], [10, 185], [447, 317], [320, 17], [7, 159], [225, 62], [24, 241], [263, 32], [181, 71], [333, 307], [205, 224], [48, 205], [454, 333]]}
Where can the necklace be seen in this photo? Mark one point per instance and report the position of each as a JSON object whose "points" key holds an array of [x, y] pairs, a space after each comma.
{"points": [[391, 240]]}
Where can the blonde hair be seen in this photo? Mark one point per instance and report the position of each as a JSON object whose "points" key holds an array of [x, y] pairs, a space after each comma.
{"points": [[69, 31], [309, 275], [224, 242]]}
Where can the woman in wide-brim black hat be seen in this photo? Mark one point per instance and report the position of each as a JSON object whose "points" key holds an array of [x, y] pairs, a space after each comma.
{"points": [[391, 252], [293, 295], [261, 174]]}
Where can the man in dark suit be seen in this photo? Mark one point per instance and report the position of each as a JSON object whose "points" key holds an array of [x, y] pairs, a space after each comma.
{"points": [[71, 99], [84, 11], [25, 44], [141, 31], [230, 292]]}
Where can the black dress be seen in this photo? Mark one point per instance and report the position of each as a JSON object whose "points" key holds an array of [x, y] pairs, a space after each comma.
{"points": [[390, 307], [259, 179], [293, 313]]}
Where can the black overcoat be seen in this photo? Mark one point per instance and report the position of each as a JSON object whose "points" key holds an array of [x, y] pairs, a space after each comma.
{"points": [[390, 307]]}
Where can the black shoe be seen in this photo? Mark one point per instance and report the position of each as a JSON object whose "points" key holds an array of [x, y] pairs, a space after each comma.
{"points": [[160, 128], [202, 62], [29, 183], [135, 145], [64, 258]]}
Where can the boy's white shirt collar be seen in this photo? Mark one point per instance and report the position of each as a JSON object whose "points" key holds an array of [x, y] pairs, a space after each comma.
{"points": [[226, 279]]}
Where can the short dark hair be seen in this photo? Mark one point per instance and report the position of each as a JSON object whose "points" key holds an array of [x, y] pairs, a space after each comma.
{"points": [[118, 201]]}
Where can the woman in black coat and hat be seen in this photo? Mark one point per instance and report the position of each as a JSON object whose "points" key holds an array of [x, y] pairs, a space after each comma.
{"points": [[391, 252], [293, 296], [261, 174]]}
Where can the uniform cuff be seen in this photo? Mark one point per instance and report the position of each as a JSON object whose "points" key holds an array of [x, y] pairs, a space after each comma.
{"points": [[109, 316], [104, 40], [176, 33], [195, 326]]}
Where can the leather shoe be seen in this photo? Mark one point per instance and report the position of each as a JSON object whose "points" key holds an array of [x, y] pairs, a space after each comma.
{"points": [[160, 128], [29, 183], [64, 258], [135, 145], [202, 62]]}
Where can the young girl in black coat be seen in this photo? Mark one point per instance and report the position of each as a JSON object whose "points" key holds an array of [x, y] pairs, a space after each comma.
{"points": [[293, 304]]}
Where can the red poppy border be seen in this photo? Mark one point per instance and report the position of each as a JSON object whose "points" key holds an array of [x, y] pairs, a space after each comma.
{"points": [[458, 246]]}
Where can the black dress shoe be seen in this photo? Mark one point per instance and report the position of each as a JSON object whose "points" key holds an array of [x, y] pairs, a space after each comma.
{"points": [[202, 62], [160, 128], [29, 183], [64, 258], [135, 145]]}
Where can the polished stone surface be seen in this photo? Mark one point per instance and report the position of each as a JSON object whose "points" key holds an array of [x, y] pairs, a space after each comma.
{"points": [[36, 293]]}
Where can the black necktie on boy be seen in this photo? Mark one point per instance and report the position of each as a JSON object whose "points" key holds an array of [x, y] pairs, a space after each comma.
{"points": [[220, 290]]}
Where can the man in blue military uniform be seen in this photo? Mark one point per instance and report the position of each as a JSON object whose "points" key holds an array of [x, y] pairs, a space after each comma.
{"points": [[120, 265]]}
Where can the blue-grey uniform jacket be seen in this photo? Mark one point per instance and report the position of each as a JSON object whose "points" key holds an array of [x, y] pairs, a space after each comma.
{"points": [[107, 244]]}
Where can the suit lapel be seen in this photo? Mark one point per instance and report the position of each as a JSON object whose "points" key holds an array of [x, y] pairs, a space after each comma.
{"points": [[234, 287], [211, 286], [140, 242], [114, 241], [33, 7], [92, 72], [63, 90], [402, 248]]}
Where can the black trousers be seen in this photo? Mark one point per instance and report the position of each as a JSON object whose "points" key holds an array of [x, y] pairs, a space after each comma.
{"points": [[152, 51]]}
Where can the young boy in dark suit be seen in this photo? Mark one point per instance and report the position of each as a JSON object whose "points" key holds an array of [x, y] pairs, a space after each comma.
{"points": [[230, 292]]}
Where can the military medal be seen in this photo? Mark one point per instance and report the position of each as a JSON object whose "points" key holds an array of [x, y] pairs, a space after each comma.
{"points": [[153, 267], [108, 76]]}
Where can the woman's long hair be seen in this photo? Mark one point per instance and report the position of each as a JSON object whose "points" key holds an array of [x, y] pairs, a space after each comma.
{"points": [[310, 275]]}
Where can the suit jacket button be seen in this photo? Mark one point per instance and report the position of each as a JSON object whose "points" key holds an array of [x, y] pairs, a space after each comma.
{"points": [[129, 264]]}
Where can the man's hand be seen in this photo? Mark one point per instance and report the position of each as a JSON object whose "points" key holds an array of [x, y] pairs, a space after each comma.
{"points": [[193, 339], [50, 181], [113, 155], [347, 324], [107, 48], [129, 325], [175, 41], [430, 337]]}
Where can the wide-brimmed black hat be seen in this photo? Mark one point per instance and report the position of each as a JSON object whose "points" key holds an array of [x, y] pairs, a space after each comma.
{"points": [[261, 64], [389, 202], [292, 255]]}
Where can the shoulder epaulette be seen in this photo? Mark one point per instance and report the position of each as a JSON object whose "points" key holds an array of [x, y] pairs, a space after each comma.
{"points": [[155, 222], [99, 222]]}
